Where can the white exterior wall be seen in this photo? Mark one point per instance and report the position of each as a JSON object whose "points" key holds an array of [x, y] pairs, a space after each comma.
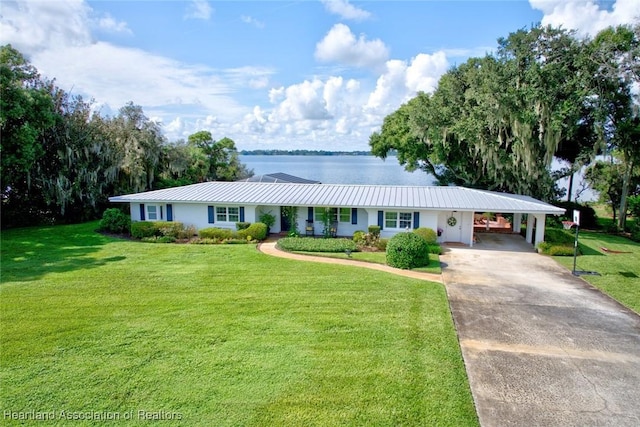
{"points": [[196, 214], [345, 229]]}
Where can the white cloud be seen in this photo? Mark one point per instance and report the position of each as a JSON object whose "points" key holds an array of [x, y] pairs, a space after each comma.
{"points": [[199, 9], [108, 23], [345, 10], [332, 111], [34, 26], [586, 17], [252, 21], [303, 101], [340, 45], [425, 71], [401, 81]]}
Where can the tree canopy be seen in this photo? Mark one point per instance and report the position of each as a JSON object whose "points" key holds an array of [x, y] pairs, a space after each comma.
{"points": [[61, 160], [497, 122]]}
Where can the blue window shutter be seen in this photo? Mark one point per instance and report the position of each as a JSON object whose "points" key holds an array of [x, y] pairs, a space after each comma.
{"points": [[211, 214], [381, 219], [416, 219], [354, 215], [141, 211], [161, 213], [241, 213], [310, 213], [169, 212]]}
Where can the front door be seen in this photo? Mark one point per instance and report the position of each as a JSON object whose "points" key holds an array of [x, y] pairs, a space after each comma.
{"points": [[453, 230], [284, 218]]}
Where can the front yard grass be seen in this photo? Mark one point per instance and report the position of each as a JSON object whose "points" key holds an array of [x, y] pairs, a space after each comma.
{"points": [[377, 258], [219, 335], [619, 272]]}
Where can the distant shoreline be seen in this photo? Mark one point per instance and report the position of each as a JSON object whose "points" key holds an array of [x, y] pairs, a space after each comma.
{"points": [[303, 153]]}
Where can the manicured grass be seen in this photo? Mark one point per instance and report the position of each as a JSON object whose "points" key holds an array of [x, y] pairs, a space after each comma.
{"points": [[221, 335], [620, 272], [378, 258]]}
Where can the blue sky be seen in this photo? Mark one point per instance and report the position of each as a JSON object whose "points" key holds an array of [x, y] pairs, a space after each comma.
{"points": [[273, 74]]}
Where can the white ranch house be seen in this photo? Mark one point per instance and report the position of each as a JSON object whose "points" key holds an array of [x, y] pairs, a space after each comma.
{"points": [[355, 207]]}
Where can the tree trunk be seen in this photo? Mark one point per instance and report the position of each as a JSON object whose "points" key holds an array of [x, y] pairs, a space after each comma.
{"points": [[570, 190], [622, 216]]}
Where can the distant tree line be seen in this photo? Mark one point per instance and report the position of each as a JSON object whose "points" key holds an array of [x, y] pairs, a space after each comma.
{"points": [[303, 153], [61, 161], [498, 121]]}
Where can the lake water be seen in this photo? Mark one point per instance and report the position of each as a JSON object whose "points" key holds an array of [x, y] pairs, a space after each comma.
{"points": [[339, 169], [358, 170]]}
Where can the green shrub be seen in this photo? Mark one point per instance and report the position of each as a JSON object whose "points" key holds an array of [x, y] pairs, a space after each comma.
{"points": [[268, 219], [435, 249], [557, 235], [428, 234], [407, 250], [115, 221], [543, 247], [382, 244], [558, 250], [215, 233], [374, 230], [242, 225], [360, 238], [257, 231], [142, 229], [309, 244], [635, 233], [170, 229]]}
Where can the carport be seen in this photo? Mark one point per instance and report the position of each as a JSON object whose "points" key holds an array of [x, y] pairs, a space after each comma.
{"points": [[532, 211]]}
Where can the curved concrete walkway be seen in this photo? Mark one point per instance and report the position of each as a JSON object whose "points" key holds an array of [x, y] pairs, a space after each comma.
{"points": [[269, 248]]}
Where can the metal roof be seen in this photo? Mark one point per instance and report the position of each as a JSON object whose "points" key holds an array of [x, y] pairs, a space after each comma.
{"points": [[339, 195]]}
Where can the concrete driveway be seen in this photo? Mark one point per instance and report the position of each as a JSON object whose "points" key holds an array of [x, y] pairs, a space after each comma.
{"points": [[541, 347]]}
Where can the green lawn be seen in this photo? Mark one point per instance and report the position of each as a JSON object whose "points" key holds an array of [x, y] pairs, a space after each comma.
{"points": [[620, 272], [219, 335], [377, 258]]}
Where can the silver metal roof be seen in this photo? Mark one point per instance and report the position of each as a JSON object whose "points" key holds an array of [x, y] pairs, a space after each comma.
{"points": [[338, 195]]}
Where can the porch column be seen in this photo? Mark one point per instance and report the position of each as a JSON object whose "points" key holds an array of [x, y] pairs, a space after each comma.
{"points": [[540, 224], [530, 221], [517, 222]]}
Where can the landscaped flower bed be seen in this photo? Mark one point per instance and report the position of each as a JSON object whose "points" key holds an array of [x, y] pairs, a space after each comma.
{"points": [[310, 244]]}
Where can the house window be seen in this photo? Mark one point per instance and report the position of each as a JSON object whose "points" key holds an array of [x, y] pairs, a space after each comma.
{"points": [[335, 214], [398, 220], [227, 214], [345, 215], [152, 213]]}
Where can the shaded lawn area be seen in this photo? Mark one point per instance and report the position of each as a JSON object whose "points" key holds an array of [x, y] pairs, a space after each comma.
{"points": [[620, 272], [377, 258], [222, 335]]}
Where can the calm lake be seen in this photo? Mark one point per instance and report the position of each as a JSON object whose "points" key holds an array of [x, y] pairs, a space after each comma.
{"points": [[339, 169], [359, 170]]}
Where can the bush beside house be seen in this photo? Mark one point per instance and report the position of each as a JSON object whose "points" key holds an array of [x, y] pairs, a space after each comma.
{"points": [[407, 250]]}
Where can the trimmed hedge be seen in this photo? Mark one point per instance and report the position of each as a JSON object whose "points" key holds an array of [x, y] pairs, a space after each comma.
{"points": [[407, 250], [257, 231], [428, 234], [215, 233], [142, 229], [309, 244], [557, 242]]}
